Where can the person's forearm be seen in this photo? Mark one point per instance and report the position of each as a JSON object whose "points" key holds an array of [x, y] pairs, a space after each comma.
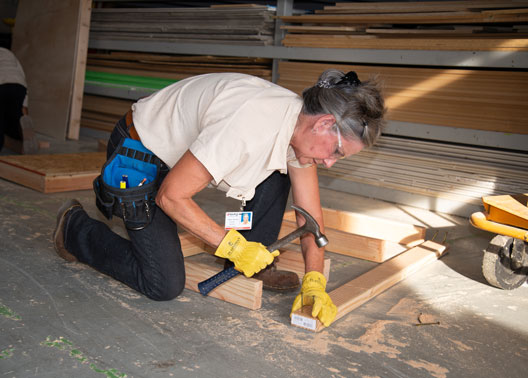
{"points": [[190, 216], [313, 256], [185, 179]]}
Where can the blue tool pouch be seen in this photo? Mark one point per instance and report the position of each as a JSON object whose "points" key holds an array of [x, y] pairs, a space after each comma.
{"points": [[136, 203]]}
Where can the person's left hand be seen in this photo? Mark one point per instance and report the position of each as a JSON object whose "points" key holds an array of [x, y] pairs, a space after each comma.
{"points": [[313, 293]]}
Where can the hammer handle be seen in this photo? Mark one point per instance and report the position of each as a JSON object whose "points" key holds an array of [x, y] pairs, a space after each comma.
{"points": [[225, 275]]}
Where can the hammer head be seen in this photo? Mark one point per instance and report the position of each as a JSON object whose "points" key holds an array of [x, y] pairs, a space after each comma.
{"points": [[312, 226]]}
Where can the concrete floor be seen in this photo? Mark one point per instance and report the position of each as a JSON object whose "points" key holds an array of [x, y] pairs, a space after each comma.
{"points": [[60, 319]]}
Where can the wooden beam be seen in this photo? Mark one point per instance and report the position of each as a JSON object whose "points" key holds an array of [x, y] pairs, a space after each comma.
{"points": [[54, 172], [373, 227], [368, 285], [190, 244], [362, 236], [359, 246], [242, 291], [460, 17], [83, 31]]}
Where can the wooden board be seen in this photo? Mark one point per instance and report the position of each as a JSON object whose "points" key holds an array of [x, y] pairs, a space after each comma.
{"points": [[373, 227], [53, 173], [190, 244], [46, 43], [358, 246], [506, 43], [361, 236], [242, 291], [74, 126], [461, 17], [420, 6], [368, 285]]}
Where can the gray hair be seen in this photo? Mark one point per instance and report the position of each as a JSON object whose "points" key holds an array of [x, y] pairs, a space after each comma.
{"points": [[358, 107]]}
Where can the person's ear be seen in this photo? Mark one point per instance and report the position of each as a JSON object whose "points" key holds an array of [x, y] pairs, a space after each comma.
{"points": [[324, 123]]}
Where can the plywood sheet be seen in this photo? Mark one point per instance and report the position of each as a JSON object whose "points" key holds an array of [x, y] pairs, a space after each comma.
{"points": [[45, 41]]}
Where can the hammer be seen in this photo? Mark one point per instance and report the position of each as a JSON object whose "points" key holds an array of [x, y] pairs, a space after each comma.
{"points": [[311, 225]]}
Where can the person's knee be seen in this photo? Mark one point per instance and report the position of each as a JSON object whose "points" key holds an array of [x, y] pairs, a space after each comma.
{"points": [[169, 289]]}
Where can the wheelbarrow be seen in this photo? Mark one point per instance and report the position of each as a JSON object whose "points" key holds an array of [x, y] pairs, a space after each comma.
{"points": [[505, 261]]}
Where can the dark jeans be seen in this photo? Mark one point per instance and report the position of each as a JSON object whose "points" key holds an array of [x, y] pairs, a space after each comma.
{"points": [[11, 100], [152, 261]]}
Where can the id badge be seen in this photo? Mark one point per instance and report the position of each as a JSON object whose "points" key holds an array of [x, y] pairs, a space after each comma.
{"points": [[238, 220]]}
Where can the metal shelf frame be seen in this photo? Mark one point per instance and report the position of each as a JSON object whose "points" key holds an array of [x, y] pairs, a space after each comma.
{"points": [[480, 59]]}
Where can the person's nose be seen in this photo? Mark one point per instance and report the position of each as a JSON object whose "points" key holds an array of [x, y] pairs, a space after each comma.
{"points": [[329, 162]]}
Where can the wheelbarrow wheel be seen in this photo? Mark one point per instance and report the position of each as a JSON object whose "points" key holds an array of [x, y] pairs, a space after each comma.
{"points": [[505, 262]]}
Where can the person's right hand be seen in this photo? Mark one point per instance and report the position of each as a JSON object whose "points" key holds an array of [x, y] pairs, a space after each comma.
{"points": [[248, 257], [313, 293]]}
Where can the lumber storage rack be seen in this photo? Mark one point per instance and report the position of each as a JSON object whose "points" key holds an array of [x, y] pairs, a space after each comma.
{"points": [[445, 118], [398, 248], [471, 58]]}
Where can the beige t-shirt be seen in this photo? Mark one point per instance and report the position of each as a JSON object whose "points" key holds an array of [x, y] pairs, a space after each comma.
{"points": [[11, 71], [238, 126]]}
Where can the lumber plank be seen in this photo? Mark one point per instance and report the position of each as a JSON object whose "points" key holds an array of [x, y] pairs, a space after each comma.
{"points": [[372, 283], [463, 17], [190, 244], [242, 291], [83, 30], [97, 124], [361, 236], [107, 105], [54, 172], [373, 227], [348, 41], [358, 246]]}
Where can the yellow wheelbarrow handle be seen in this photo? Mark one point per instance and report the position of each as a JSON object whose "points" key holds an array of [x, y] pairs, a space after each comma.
{"points": [[479, 220]]}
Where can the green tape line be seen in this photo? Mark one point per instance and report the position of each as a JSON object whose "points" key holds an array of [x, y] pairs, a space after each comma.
{"points": [[65, 345], [6, 353], [121, 80], [8, 313]]}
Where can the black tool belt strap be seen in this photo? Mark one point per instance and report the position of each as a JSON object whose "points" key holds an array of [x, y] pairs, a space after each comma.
{"points": [[138, 155]]}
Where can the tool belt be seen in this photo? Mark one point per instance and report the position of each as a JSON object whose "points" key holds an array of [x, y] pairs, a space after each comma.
{"points": [[135, 203]]}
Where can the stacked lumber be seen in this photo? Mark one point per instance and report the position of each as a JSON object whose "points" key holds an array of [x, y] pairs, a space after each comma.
{"points": [[466, 98], [102, 113], [174, 67], [244, 24], [457, 173], [150, 72], [475, 25]]}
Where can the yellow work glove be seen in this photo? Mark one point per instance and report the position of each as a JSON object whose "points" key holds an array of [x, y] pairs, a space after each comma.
{"points": [[313, 293], [249, 257]]}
